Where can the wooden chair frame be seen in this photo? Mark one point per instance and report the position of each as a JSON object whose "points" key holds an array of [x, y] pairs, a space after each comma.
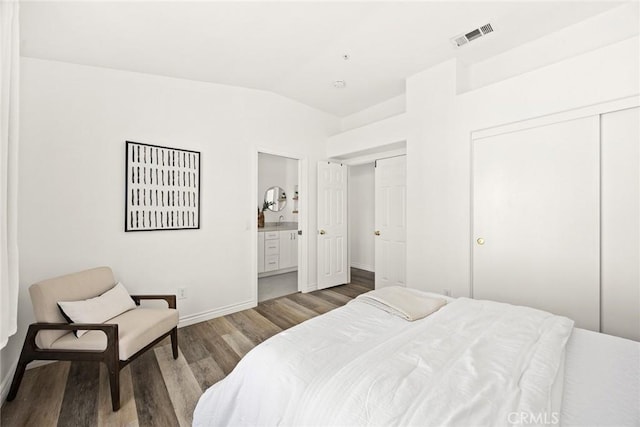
{"points": [[109, 356]]}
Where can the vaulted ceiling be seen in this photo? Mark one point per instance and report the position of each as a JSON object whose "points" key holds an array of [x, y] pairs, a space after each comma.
{"points": [[295, 49]]}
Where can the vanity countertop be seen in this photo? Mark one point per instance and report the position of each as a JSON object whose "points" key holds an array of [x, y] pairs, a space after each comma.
{"points": [[274, 226]]}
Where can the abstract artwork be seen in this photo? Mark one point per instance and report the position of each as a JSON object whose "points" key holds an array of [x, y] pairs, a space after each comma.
{"points": [[162, 188]]}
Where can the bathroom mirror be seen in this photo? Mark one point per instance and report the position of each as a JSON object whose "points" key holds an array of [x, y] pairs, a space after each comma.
{"points": [[276, 198]]}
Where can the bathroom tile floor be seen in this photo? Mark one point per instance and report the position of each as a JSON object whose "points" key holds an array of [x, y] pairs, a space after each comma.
{"points": [[277, 286]]}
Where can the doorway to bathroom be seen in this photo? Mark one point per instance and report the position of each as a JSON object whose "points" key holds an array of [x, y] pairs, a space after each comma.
{"points": [[278, 240]]}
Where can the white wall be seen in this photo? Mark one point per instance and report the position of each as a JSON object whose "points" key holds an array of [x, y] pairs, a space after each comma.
{"points": [[383, 110], [282, 172], [368, 139], [620, 223], [362, 215], [438, 150], [597, 31], [74, 123]]}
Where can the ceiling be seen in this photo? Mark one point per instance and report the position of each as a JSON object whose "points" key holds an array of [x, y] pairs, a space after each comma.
{"points": [[291, 48]]}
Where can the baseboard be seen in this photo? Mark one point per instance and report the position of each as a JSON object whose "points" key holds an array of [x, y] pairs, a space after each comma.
{"points": [[38, 363], [311, 287], [6, 382], [362, 266], [212, 314], [277, 272]]}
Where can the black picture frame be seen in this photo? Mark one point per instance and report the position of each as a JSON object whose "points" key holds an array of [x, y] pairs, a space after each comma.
{"points": [[162, 188]]}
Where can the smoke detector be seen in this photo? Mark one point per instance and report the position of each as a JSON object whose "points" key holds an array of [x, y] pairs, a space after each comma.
{"points": [[463, 39]]}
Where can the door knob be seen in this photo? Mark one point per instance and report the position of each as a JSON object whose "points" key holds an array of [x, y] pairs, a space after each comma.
{"points": [[480, 241], [377, 232], [323, 232]]}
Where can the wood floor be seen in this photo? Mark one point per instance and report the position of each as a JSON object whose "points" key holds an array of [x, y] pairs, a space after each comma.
{"points": [[157, 390]]}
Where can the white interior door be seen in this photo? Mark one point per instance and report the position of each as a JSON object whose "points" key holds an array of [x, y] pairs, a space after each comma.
{"points": [[390, 222], [536, 219], [332, 224]]}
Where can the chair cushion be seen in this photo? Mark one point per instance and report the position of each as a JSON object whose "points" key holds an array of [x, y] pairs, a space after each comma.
{"points": [[98, 309], [71, 287], [136, 329]]}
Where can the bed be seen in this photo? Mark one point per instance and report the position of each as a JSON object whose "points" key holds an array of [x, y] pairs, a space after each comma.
{"points": [[469, 363]]}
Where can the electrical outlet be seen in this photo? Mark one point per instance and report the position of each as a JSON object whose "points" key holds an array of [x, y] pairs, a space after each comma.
{"points": [[446, 292], [182, 293]]}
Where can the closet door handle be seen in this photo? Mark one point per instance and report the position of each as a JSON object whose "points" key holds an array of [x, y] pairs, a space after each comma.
{"points": [[377, 232]]}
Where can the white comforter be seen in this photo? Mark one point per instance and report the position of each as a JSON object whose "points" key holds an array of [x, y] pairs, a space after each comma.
{"points": [[470, 363]]}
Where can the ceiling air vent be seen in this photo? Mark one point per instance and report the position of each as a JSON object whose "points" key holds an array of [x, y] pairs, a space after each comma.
{"points": [[463, 39], [486, 29]]}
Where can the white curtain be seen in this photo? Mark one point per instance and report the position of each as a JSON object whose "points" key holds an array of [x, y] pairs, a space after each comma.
{"points": [[9, 63]]}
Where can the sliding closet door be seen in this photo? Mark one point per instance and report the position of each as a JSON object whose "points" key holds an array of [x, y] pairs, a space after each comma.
{"points": [[621, 223], [536, 219]]}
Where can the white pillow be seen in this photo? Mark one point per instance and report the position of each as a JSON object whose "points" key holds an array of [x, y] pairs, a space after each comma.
{"points": [[99, 309]]}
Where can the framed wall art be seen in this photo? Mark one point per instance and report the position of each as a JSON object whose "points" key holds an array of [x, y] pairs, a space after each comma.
{"points": [[162, 188]]}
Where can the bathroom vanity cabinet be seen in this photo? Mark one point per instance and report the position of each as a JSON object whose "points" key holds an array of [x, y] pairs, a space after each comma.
{"points": [[278, 249]]}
